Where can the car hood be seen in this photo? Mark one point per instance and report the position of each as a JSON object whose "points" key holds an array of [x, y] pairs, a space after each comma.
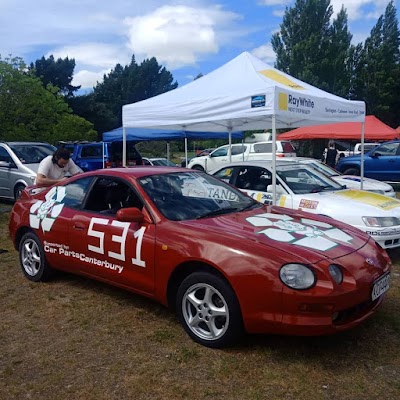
{"points": [[301, 234], [362, 202], [354, 182], [33, 167]]}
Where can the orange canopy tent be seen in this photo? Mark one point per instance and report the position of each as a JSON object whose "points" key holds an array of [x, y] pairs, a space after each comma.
{"points": [[374, 130]]}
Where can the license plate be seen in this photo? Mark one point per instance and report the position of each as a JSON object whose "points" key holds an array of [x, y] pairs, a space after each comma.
{"points": [[381, 285]]}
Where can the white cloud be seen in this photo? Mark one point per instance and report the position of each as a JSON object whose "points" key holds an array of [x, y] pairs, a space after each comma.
{"points": [[265, 53], [94, 54], [178, 35], [273, 2], [360, 9], [88, 79]]}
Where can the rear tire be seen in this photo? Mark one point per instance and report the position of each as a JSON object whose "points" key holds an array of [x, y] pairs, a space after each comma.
{"points": [[33, 259], [352, 171], [208, 310]]}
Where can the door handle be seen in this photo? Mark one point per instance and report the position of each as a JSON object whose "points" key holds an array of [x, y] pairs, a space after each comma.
{"points": [[79, 226]]}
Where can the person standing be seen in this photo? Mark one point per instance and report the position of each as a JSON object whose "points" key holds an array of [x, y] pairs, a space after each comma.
{"points": [[52, 169], [331, 155]]}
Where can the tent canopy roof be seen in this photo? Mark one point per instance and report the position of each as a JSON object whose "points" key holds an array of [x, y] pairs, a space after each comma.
{"points": [[244, 94], [142, 134], [374, 130]]}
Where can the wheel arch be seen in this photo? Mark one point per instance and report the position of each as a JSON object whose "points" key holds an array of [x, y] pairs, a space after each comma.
{"points": [[20, 233], [182, 271]]}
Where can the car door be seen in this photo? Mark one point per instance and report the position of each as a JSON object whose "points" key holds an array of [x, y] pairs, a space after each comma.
{"points": [[6, 173], [383, 162], [116, 251], [217, 158]]}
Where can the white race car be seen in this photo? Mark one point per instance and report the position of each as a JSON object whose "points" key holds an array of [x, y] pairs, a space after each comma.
{"points": [[350, 181], [303, 187]]}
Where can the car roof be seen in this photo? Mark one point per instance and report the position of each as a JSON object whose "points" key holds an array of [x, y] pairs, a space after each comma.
{"points": [[27, 143], [137, 171]]}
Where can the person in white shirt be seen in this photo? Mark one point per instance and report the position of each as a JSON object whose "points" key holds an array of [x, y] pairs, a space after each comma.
{"points": [[53, 169]]}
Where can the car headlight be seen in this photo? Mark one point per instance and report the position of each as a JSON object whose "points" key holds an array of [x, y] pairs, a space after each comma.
{"points": [[336, 273], [297, 276], [32, 178], [381, 222]]}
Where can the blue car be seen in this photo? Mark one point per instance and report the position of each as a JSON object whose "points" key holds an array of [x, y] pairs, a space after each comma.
{"points": [[90, 156], [382, 163]]}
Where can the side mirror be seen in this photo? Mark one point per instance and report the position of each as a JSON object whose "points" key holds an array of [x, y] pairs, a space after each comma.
{"points": [[131, 214], [279, 189], [5, 164]]}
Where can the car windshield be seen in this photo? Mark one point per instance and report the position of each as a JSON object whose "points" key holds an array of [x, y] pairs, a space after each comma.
{"points": [[193, 195], [32, 153], [163, 161], [303, 179], [321, 167]]}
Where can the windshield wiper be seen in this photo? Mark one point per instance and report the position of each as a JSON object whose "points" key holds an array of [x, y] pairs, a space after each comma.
{"points": [[318, 189], [250, 206], [220, 211]]}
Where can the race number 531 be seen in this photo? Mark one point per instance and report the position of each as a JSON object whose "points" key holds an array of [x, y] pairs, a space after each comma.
{"points": [[121, 239]]}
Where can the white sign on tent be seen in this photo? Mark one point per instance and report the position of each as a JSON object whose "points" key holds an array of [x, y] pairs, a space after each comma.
{"points": [[244, 94]]}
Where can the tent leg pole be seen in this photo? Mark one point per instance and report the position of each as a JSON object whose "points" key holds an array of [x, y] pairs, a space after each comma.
{"points": [[230, 143], [273, 159], [124, 147], [362, 155], [186, 151]]}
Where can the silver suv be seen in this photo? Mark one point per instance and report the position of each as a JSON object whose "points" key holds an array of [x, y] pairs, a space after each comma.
{"points": [[19, 162]]}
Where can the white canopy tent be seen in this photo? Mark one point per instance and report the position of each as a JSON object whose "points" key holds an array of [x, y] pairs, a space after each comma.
{"points": [[244, 94]]}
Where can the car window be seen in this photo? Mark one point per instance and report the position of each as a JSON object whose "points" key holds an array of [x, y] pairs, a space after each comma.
{"points": [[185, 196], [238, 150], [220, 152], [225, 174], [387, 149], [31, 154], [108, 195], [76, 191], [262, 147], [92, 151], [253, 178], [4, 155], [302, 179], [288, 148]]}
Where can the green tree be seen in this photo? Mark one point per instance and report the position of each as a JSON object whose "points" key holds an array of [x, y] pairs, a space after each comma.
{"points": [[58, 72], [378, 73], [125, 85], [303, 41], [28, 111], [311, 48]]}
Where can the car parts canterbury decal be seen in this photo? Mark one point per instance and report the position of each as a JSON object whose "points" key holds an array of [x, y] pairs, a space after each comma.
{"points": [[45, 212], [310, 233]]}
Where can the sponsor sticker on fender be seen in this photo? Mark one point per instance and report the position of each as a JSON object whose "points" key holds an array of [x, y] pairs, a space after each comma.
{"points": [[311, 204]]}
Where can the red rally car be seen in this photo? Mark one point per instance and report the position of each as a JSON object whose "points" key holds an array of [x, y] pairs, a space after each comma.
{"points": [[224, 262]]}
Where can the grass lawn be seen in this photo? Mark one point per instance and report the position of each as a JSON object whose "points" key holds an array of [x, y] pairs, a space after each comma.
{"points": [[73, 338]]}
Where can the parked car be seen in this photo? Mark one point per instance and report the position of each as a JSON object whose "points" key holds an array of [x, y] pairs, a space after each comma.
{"points": [[158, 161], [241, 152], [302, 187], [90, 156], [350, 181], [382, 163], [200, 153], [19, 162], [353, 150], [224, 262]]}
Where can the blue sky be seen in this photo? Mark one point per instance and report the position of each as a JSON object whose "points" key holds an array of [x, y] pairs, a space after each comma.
{"points": [[187, 37]]}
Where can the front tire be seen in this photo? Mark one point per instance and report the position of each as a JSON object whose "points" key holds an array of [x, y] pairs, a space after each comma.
{"points": [[208, 310], [352, 171], [18, 191], [198, 167], [33, 259]]}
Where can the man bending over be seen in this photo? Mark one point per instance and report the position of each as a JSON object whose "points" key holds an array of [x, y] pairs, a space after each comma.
{"points": [[53, 169]]}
